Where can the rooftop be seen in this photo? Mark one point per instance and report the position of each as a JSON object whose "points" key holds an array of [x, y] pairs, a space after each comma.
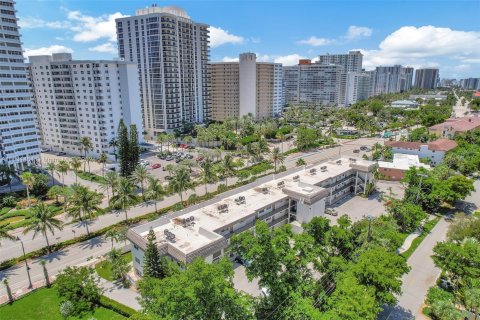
{"points": [[442, 145], [402, 103], [463, 124], [403, 144], [200, 226], [403, 162]]}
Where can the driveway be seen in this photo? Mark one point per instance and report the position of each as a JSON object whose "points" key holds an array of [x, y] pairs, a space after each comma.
{"points": [[241, 283]]}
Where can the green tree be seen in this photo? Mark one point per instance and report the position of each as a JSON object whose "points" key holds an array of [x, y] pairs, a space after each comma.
{"points": [[208, 174], [134, 148], [83, 204], [152, 264], [180, 181], [300, 162], [114, 234], [75, 165], [207, 293], [155, 190], [124, 195], [228, 167], [382, 270], [407, 215], [80, 287], [52, 168], [472, 301], [62, 168], [43, 263], [6, 173], [4, 233], [464, 226], [120, 266], [277, 157], [140, 175], [42, 220], [40, 186], [445, 310], [103, 160], [110, 183], [28, 179], [123, 149], [306, 137], [86, 145]]}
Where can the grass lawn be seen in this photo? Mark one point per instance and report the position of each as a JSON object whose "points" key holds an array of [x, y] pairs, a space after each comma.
{"points": [[427, 227], [90, 177], [44, 304], [104, 268]]}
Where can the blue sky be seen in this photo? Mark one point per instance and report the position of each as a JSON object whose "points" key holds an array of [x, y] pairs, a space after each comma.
{"points": [[444, 34]]}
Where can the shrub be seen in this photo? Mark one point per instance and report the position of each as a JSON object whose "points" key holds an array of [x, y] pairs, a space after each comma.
{"points": [[26, 203], [178, 207], [9, 201], [282, 168], [249, 139], [192, 198], [437, 294], [117, 307], [222, 187]]}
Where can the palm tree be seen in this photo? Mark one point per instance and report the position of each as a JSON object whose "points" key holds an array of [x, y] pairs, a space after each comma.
{"points": [[4, 233], [103, 160], [112, 234], [62, 168], [52, 168], [155, 190], [180, 181], [88, 159], [280, 136], [83, 204], [277, 157], [208, 174], [113, 144], [75, 165], [161, 139], [125, 195], [86, 145], [28, 179], [111, 180], [7, 173], [300, 162], [139, 175], [228, 167], [43, 220]]}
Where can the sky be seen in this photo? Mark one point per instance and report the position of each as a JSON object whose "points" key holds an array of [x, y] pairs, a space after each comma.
{"points": [[433, 33]]}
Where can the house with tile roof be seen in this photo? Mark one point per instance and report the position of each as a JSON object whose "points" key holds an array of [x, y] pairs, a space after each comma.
{"points": [[435, 150], [450, 127]]}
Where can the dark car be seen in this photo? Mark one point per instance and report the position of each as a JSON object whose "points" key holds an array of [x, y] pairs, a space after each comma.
{"points": [[61, 153], [242, 261], [356, 151], [168, 178]]}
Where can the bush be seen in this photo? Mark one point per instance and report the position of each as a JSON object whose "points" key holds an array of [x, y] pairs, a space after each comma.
{"points": [[117, 307], [222, 187], [26, 203], [178, 207], [282, 168], [40, 187], [9, 201], [192, 198], [249, 139], [437, 294]]}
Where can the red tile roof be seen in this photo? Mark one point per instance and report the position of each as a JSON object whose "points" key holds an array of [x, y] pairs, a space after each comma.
{"points": [[442, 145], [403, 144], [460, 124]]}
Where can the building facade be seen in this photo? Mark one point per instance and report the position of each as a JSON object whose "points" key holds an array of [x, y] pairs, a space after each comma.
{"points": [[292, 197], [171, 52], [83, 98], [357, 87], [351, 62], [470, 84], [245, 87], [434, 151], [19, 141], [391, 80], [314, 84], [451, 127], [427, 78]]}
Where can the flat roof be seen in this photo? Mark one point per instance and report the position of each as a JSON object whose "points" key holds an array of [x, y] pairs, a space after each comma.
{"points": [[211, 216], [403, 161]]}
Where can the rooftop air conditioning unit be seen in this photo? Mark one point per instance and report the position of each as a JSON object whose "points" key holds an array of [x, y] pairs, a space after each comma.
{"points": [[265, 190], [281, 184], [339, 162], [313, 170], [296, 178], [323, 169]]}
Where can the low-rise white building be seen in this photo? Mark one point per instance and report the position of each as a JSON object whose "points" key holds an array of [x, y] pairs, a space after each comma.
{"points": [[84, 98], [434, 151], [395, 170], [406, 104], [293, 197]]}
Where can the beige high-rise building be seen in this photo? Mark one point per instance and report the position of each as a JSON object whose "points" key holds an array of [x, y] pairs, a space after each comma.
{"points": [[245, 87]]}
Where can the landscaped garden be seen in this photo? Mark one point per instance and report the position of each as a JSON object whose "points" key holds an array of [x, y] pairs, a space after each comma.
{"points": [[105, 268]]}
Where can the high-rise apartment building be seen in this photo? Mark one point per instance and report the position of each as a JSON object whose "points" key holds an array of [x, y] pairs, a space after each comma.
{"points": [[314, 84], [470, 83], [357, 87], [427, 78], [84, 98], [19, 145], [351, 62], [171, 52], [391, 79], [245, 87]]}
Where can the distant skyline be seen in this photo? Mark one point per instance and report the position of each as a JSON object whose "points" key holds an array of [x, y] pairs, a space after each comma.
{"points": [[443, 34]]}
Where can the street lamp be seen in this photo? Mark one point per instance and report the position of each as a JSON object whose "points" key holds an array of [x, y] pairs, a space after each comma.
{"points": [[26, 264]]}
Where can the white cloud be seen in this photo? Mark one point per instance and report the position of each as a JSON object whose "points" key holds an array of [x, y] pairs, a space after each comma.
{"points": [[230, 59], [218, 36], [88, 28], [316, 42], [47, 50], [420, 46], [355, 32], [32, 22], [288, 60], [108, 47]]}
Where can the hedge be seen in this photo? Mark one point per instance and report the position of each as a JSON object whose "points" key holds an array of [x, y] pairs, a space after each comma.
{"points": [[116, 306], [249, 139]]}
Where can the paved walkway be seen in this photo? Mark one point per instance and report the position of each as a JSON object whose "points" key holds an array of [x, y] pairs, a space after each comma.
{"points": [[125, 296], [421, 277]]}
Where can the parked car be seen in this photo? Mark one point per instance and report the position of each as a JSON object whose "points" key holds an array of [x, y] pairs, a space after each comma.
{"points": [[331, 212], [169, 158], [363, 148], [356, 151], [156, 165], [242, 261], [61, 153], [199, 158]]}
